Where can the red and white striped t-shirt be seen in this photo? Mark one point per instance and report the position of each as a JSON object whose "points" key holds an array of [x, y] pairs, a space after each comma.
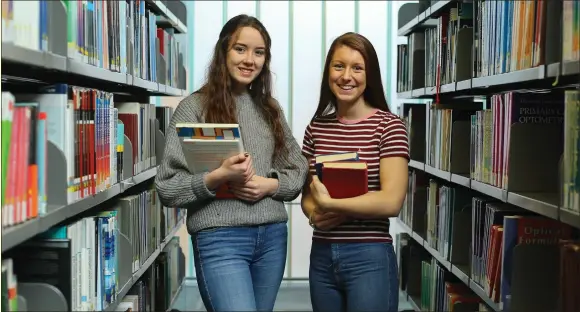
{"points": [[380, 135]]}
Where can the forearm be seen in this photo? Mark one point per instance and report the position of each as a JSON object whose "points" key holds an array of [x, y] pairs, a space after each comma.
{"points": [[371, 205], [214, 179], [271, 186], [308, 204]]}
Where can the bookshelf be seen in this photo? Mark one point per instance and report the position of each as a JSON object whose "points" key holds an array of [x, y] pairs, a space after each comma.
{"points": [[493, 189], [80, 148]]}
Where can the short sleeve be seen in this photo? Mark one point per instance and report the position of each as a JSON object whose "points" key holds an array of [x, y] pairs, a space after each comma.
{"points": [[394, 140], [308, 142]]}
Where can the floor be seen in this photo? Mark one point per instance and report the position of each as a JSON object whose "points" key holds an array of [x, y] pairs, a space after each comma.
{"points": [[293, 296]]}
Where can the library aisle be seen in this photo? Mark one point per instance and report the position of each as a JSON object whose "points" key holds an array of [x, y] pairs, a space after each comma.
{"points": [[82, 226], [491, 99], [294, 296]]}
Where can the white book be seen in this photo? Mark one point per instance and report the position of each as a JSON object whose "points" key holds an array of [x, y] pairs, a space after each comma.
{"points": [[206, 145]]}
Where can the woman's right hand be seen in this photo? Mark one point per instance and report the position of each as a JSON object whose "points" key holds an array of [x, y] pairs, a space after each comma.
{"points": [[326, 221], [238, 168]]}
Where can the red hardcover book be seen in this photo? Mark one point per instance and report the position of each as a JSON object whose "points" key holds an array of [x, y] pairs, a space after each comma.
{"points": [[345, 179], [223, 192]]}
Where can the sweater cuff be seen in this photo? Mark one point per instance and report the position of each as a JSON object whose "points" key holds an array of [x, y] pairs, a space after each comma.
{"points": [[200, 189], [283, 193]]}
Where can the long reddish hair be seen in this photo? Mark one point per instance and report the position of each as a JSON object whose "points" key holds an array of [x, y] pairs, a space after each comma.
{"points": [[220, 106]]}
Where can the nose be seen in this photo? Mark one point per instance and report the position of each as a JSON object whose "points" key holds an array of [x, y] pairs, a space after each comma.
{"points": [[347, 75], [249, 59]]}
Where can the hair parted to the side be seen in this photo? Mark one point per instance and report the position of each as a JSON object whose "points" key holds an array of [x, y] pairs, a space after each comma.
{"points": [[220, 106], [373, 94]]}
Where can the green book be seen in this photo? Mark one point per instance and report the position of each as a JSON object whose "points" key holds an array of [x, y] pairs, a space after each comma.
{"points": [[7, 113]]}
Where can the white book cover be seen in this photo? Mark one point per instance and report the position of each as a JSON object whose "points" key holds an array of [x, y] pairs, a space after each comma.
{"points": [[206, 146]]}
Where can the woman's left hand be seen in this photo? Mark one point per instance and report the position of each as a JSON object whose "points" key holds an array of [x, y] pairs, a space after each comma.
{"points": [[319, 194], [257, 188]]}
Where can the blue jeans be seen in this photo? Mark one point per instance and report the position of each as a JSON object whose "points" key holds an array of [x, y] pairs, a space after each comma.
{"points": [[240, 268], [353, 277]]}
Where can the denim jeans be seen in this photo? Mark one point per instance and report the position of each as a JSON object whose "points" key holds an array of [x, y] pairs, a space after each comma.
{"points": [[240, 268], [353, 277]]}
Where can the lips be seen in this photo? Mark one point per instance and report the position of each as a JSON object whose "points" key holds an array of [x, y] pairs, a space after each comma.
{"points": [[245, 71], [346, 87]]}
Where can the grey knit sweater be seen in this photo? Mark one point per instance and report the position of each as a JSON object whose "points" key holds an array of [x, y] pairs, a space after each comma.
{"points": [[179, 188]]}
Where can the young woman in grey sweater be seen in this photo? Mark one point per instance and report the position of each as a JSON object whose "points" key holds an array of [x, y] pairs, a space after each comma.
{"points": [[239, 244]]}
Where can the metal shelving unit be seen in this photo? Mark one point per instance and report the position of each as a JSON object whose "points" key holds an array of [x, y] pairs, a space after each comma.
{"points": [[550, 74], [36, 67], [53, 62]]}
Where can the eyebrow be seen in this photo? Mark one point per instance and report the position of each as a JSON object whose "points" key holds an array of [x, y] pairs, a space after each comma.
{"points": [[342, 62], [245, 45]]}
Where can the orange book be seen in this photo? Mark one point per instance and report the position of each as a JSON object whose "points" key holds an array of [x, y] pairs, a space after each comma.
{"points": [[345, 179]]}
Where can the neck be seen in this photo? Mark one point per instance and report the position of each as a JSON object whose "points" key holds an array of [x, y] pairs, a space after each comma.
{"points": [[239, 89], [354, 110]]}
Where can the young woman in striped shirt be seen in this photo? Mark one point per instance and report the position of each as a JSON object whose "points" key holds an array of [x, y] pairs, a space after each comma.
{"points": [[353, 265]]}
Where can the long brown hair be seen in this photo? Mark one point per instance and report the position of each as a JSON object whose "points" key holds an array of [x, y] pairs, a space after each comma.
{"points": [[220, 106], [373, 94]]}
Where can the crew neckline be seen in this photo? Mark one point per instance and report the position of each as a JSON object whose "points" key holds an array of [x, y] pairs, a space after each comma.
{"points": [[354, 121]]}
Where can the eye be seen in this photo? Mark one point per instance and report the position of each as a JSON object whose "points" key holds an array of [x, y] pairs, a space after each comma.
{"points": [[358, 68], [239, 49], [338, 66], [260, 52]]}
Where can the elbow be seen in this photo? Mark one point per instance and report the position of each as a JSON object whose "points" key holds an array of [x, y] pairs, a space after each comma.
{"points": [[163, 198], [301, 182], [166, 199], [290, 184], [290, 194], [173, 193], [294, 194], [297, 187], [393, 206]]}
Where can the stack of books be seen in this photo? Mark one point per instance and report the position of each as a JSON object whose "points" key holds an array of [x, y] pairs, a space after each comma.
{"points": [[206, 145], [344, 175]]}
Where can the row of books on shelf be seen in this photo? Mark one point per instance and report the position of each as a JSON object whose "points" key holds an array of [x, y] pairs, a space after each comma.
{"points": [[428, 285], [87, 127], [499, 141], [91, 259], [485, 38], [496, 245], [121, 36], [439, 294]]}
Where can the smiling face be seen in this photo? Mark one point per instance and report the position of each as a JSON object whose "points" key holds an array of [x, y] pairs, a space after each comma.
{"points": [[246, 56], [347, 75]]}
